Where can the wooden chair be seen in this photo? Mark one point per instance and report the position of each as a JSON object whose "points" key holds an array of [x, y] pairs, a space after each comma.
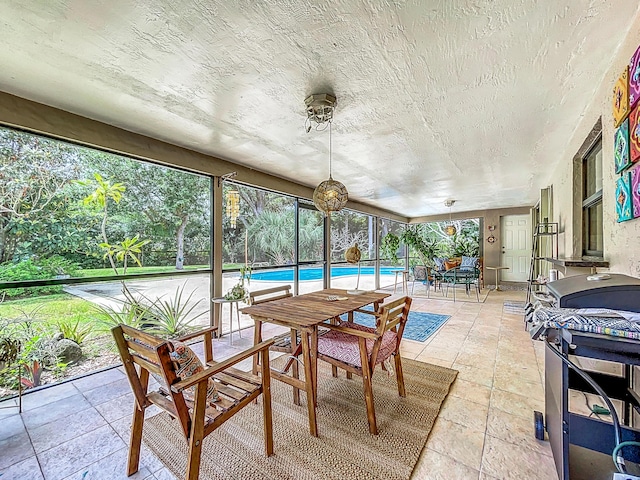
{"points": [[358, 349], [281, 343], [197, 416]]}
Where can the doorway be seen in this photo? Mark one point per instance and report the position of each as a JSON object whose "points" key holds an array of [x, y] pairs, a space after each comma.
{"points": [[516, 247]]}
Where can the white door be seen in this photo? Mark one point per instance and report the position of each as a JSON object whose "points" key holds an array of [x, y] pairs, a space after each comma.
{"points": [[515, 233]]}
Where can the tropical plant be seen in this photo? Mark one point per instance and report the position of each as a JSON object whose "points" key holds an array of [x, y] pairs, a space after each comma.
{"points": [[129, 248], [78, 332], [103, 192], [173, 317], [168, 318], [389, 246], [9, 350], [239, 291], [130, 315], [411, 236], [33, 374]]}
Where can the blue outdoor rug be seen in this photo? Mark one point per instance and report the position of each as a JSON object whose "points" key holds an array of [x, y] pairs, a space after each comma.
{"points": [[419, 327]]}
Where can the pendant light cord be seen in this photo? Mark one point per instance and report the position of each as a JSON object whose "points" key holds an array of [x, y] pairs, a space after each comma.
{"points": [[330, 153]]}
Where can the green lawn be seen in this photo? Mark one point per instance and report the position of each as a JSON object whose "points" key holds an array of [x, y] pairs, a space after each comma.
{"points": [[50, 309], [106, 272]]}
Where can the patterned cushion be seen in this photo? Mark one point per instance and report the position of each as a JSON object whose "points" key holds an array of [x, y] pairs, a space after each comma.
{"points": [[593, 320], [187, 364], [344, 347], [448, 265], [468, 264], [420, 273], [439, 262]]}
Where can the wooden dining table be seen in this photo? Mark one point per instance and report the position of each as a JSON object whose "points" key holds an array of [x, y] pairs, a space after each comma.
{"points": [[304, 314]]}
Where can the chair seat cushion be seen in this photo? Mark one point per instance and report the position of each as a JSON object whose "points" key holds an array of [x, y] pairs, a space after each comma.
{"points": [[344, 347]]}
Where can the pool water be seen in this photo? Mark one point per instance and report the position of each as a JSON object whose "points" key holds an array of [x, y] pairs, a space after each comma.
{"points": [[286, 275]]}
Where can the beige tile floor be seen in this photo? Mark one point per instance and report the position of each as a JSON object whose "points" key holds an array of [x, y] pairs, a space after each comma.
{"points": [[79, 430]]}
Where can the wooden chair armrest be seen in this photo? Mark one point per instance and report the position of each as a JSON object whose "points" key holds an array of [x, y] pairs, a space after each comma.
{"points": [[202, 332], [351, 331], [219, 367]]}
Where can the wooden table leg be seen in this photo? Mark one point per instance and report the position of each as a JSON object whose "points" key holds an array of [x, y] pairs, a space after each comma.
{"points": [[295, 372], [308, 377], [314, 364]]}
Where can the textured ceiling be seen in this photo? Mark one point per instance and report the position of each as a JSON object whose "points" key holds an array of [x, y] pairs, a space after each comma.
{"points": [[459, 99]]}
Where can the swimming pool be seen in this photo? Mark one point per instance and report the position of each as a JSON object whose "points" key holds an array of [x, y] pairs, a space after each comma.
{"points": [[315, 273]]}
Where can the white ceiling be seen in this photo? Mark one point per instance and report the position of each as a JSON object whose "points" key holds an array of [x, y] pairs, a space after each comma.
{"points": [[461, 99]]}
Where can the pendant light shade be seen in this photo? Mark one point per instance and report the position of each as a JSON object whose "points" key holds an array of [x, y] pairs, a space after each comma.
{"points": [[330, 195], [450, 229]]}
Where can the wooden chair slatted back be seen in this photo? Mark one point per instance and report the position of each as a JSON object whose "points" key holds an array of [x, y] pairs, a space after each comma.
{"points": [[152, 354], [394, 314], [269, 294]]}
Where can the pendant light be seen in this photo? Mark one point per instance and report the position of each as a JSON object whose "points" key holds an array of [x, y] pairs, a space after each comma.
{"points": [[330, 195], [450, 229]]}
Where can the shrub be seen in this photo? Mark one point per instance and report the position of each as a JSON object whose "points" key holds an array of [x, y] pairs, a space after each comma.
{"points": [[36, 269]]}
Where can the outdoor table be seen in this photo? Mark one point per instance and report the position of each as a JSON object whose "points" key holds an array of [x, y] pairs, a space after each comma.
{"points": [[304, 313], [497, 269], [405, 279], [221, 301]]}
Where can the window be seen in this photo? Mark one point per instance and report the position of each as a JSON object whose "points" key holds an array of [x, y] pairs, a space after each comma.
{"points": [[592, 234]]}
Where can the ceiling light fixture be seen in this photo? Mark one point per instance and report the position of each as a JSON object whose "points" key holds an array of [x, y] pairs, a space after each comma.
{"points": [[320, 107], [450, 229], [330, 195]]}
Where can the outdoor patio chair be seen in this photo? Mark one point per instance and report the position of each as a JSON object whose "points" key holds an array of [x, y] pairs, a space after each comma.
{"points": [[200, 398], [420, 274], [358, 349], [470, 278]]}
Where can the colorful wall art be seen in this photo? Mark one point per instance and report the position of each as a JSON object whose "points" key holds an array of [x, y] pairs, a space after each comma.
{"points": [[621, 154], [621, 98], [623, 198], [635, 191], [634, 134], [634, 79]]}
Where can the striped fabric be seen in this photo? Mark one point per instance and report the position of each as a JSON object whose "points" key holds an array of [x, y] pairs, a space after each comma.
{"points": [[616, 323]]}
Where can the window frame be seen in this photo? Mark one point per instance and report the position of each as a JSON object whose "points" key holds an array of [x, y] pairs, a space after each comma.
{"points": [[591, 201]]}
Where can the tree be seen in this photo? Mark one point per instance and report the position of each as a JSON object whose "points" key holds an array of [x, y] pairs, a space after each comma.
{"points": [[103, 194], [34, 171], [169, 200]]}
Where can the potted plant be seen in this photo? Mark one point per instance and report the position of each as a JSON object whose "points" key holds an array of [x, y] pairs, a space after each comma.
{"points": [[424, 248], [239, 291]]}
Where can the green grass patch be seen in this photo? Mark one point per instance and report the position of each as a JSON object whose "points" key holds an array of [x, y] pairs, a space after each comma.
{"points": [[108, 272], [51, 309]]}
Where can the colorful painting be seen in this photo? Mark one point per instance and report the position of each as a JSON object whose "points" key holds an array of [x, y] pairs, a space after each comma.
{"points": [[623, 198], [621, 143], [621, 98], [635, 191], [634, 79], [634, 135]]}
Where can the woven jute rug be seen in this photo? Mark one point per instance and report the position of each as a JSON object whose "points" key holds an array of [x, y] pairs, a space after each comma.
{"points": [[344, 449]]}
